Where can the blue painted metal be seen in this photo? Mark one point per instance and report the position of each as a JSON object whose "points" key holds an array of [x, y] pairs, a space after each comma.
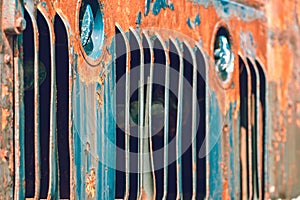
{"points": [[138, 20], [214, 145], [171, 5], [193, 23], [110, 128], [189, 23], [157, 6], [147, 7], [197, 20]]}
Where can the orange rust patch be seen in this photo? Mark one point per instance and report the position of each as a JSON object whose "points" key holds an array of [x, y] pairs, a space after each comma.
{"points": [[225, 193], [90, 183], [143, 195], [5, 115]]}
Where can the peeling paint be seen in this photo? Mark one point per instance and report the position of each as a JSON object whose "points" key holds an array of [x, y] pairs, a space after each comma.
{"points": [[189, 23], [147, 7], [158, 5], [197, 20], [274, 42], [227, 9], [192, 24], [138, 20]]}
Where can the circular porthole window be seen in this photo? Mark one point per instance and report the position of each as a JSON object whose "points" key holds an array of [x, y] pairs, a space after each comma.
{"points": [[223, 55], [91, 28]]}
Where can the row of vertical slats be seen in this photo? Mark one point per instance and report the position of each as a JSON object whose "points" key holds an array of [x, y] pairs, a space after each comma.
{"points": [[53, 190], [252, 185], [146, 180]]}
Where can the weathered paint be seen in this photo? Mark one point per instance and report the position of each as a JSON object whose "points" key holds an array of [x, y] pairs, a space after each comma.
{"points": [[147, 7], [279, 56], [214, 144], [189, 23], [12, 174], [227, 8], [197, 20], [138, 20]]}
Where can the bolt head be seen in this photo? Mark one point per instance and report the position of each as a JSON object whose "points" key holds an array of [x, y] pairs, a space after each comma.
{"points": [[21, 24]]}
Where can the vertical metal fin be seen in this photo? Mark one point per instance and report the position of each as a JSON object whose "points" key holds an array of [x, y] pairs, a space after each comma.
{"points": [[179, 121], [194, 118], [202, 137], [127, 107], [262, 124], [134, 38], [53, 190], [166, 112], [70, 117], [148, 167], [31, 12], [249, 136], [255, 127], [244, 129]]}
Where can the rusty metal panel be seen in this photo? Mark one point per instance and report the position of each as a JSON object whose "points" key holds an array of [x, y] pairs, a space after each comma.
{"points": [[247, 139]]}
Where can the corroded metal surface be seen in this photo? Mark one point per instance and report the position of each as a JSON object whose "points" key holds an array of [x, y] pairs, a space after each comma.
{"points": [[264, 35]]}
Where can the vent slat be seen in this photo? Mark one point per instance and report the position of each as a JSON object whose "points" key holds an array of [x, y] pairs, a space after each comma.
{"points": [[53, 190], [127, 114], [179, 121], [148, 167], [194, 118]]}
